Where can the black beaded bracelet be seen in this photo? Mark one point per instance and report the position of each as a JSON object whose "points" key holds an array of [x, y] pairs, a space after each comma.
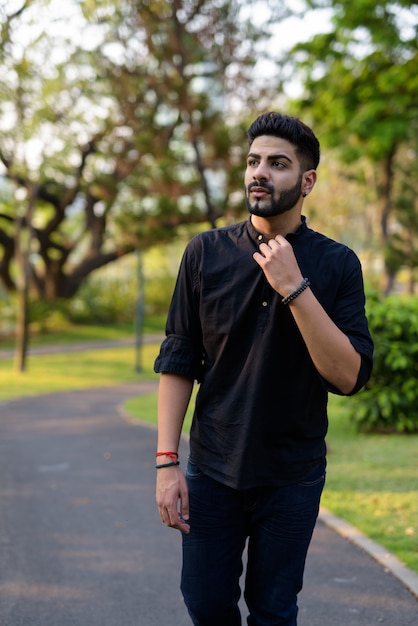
{"points": [[303, 285], [172, 464]]}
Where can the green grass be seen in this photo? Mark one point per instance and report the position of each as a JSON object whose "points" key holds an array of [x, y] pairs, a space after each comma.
{"points": [[79, 333], [77, 370], [372, 480]]}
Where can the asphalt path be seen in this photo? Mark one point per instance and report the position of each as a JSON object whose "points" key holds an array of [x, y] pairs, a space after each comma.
{"points": [[81, 543]]}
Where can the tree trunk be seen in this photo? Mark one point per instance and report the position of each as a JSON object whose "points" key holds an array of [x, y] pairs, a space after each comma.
{"points": [[23, 251], [386, 193], [22, 329]]}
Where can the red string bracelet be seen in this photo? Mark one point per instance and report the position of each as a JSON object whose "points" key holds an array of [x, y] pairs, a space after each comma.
{"points": [[173, 455]]}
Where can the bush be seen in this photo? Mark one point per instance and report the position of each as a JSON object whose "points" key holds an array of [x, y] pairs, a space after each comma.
{"points": [[104, 301], [389, 401], [7, 317], [158, 293]]}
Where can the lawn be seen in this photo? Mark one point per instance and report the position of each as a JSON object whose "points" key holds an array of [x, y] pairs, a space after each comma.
{"points": [[78, 333], [76, 370], [372, 482], [372, 479]]}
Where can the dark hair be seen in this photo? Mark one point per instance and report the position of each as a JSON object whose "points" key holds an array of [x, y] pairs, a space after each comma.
{"points": [[291, 129]]}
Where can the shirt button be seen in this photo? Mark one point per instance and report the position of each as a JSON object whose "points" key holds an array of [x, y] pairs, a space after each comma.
{"points": [[264, 303], [260, 237]]}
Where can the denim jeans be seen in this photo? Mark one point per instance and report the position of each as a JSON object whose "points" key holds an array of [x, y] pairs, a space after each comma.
{"points": [[278, 523]]}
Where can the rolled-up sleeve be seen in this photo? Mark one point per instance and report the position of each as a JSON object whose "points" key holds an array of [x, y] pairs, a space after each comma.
{"points": [[179, 356], [181, 351], [349, 315]]}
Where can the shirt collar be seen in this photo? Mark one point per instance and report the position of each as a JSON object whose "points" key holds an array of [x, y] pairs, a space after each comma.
{"points": [[259, 237]]}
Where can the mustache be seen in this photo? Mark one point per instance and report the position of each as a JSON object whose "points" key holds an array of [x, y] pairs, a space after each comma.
{"points": [[262, 185]]}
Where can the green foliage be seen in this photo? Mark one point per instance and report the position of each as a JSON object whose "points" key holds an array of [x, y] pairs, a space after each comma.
{"points": [[103, 301], [360, 83], [402, 248], [372, 483], [117, 125], [389, 402], [361, 78], [112, 295], [158, 294]]}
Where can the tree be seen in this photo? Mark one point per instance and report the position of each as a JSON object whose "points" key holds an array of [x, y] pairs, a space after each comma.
{"points": [[124, 138], [402, 248], [360, 84]]}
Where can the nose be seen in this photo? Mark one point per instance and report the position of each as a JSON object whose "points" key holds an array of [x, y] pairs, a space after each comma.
{"points": [[261, 172]]}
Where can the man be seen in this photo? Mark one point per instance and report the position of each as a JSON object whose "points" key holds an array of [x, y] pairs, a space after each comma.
{"points": [[268, 316]]}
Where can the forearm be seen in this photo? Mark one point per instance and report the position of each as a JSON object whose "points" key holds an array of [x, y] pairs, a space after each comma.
{"points": [[171, 489], [331, 351], [173, 398]]}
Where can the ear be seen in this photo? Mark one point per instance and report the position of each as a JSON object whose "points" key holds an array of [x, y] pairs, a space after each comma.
{"points": [[308, 181]]}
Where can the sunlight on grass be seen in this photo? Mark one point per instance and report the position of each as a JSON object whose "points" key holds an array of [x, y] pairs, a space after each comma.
{"points": [[372, 482], [83, 333], [77, 370]]}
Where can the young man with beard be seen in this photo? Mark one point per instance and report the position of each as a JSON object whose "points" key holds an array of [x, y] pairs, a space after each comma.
{"points": [[268, 316]]}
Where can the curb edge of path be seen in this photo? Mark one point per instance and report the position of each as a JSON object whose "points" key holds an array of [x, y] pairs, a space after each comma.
{"points": [[389, 562]]}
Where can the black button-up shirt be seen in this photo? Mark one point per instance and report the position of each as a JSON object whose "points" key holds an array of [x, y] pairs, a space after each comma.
{"points": [[261, 411]]}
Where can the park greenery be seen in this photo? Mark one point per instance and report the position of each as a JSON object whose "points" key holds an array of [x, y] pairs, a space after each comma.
{"points": [[122, 133], [134, 140], [389, 402]]}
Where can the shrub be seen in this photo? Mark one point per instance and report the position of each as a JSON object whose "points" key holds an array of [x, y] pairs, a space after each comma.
{"points": [[104, 301], [158, 292], [7, 317], [389, 401]]}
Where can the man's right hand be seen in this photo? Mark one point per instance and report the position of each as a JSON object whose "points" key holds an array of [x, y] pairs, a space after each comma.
{"points": [[173, 498]]}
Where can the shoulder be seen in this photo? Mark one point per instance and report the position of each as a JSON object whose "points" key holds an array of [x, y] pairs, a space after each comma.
{"points": [[323, 245], [218, 236]]}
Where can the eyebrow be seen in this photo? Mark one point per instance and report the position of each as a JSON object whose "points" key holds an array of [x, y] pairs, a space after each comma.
{"points": [[271, 157]]}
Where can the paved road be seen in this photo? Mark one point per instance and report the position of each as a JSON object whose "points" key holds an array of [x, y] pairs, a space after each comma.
{"points": [[81, 543]]}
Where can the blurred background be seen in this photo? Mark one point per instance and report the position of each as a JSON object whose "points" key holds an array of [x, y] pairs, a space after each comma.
{"points": [[123, 133]]}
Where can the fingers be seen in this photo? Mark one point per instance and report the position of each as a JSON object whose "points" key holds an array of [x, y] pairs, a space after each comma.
{"points": [[267, 251], [278, 262], [173, 500], [258, 258], [174, 519], [273, 245], [184, 505]]}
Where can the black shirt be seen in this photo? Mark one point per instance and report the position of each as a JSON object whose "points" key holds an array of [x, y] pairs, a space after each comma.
{"points": [[261, 411]]}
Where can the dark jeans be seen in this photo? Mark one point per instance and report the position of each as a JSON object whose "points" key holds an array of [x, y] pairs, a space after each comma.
{"points": [[278, 522]]}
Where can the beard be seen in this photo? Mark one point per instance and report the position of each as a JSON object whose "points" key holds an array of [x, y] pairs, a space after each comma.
{"points": [[272, 206]]}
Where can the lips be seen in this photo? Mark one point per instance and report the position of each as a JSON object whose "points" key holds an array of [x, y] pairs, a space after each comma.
{"points": [[259, 192], [257, 188]]}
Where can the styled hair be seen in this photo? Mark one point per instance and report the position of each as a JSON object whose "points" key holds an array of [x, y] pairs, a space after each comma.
{"points": [[291, 129]]}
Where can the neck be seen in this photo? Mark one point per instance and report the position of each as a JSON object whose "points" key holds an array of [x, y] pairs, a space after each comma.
{"points": [[278, 225]]}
